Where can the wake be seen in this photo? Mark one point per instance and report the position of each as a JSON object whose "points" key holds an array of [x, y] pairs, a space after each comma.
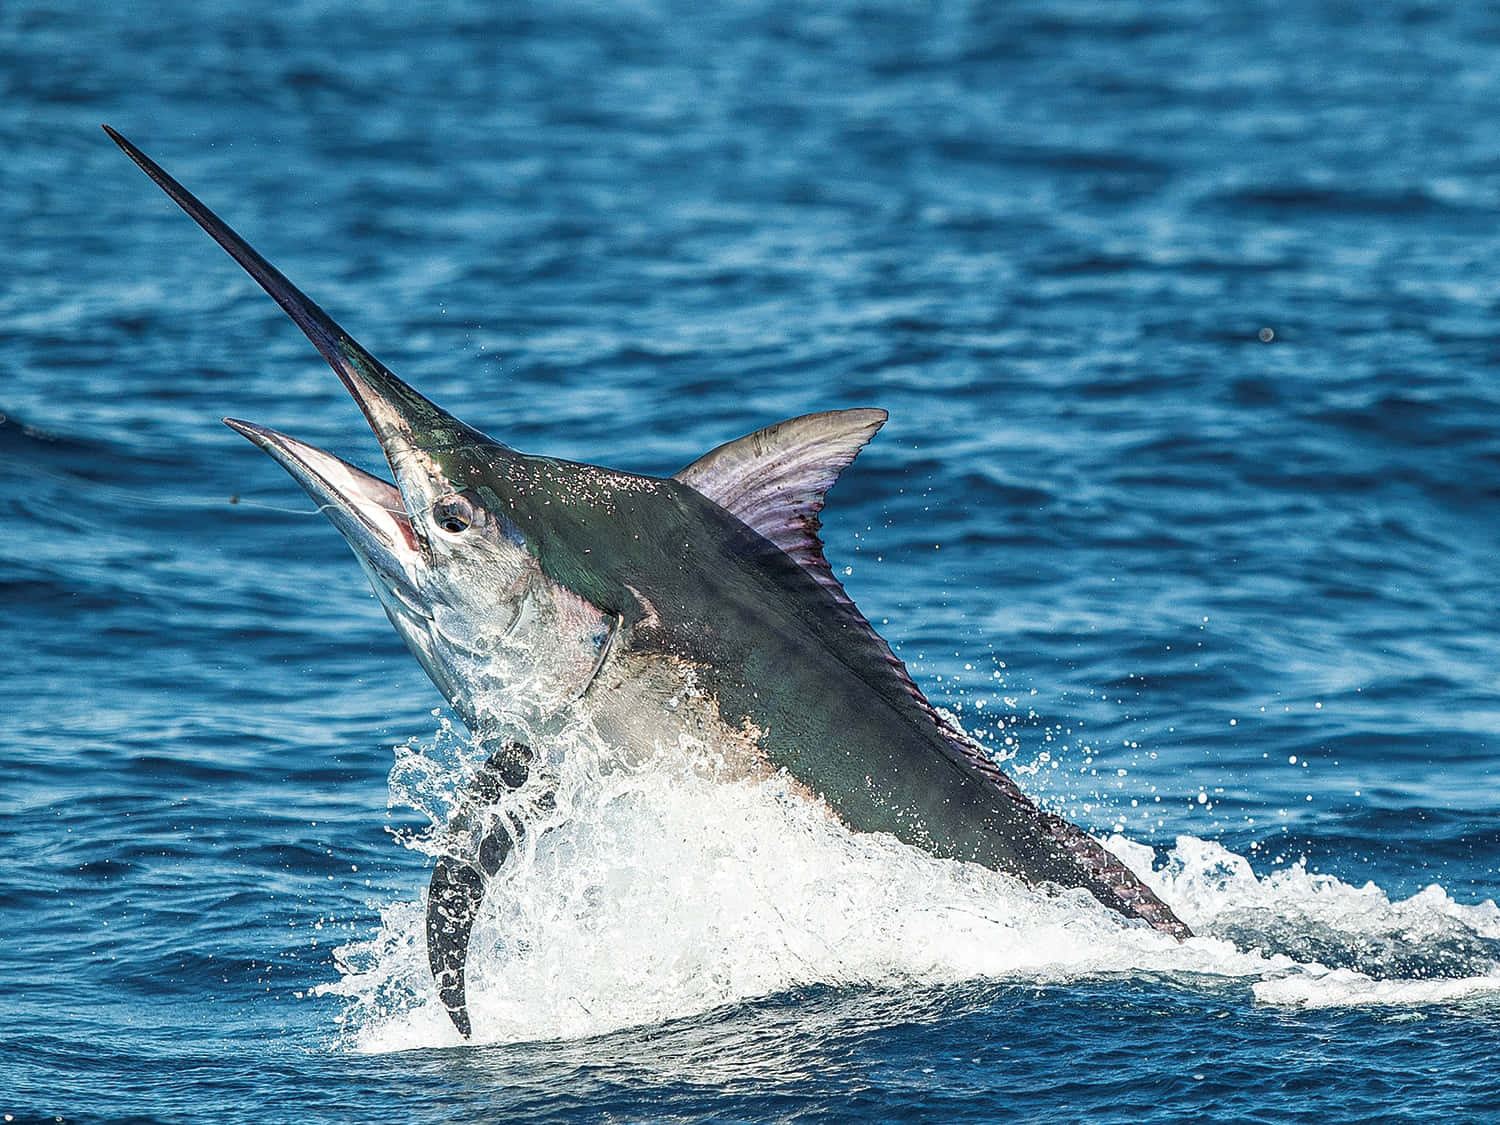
{"points": [[664, 891]]}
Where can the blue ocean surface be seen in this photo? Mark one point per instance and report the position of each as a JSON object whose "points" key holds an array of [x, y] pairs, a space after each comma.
{"points": [[1188, 505]]}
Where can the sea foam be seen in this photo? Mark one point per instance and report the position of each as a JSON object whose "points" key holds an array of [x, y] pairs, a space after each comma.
{"points": [[666, 891]]}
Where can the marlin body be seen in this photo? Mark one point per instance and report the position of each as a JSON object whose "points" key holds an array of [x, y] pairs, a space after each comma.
{"points": [[536, 592]]}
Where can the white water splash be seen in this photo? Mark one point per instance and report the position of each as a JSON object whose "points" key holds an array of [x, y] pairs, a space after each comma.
{"points": [[662, 892]]}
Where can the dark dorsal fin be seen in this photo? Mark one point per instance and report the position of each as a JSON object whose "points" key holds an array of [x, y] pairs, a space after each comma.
{"points": [[775, 479]]}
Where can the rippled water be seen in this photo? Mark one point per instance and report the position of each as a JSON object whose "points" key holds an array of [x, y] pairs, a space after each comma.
{"points": [[1189, 504]]}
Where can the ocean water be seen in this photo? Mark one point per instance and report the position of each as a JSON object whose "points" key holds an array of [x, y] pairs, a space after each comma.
{"points": [[1189, 505]]}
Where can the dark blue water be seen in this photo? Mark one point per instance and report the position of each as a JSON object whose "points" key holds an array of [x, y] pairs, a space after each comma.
{"points": [[1189, 503]]}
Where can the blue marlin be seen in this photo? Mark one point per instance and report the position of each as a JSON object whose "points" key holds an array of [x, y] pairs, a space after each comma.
{"points": [[538, 592]]}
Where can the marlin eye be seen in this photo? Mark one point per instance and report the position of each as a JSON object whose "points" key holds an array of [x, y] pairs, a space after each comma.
{"points": [[453, 514]]}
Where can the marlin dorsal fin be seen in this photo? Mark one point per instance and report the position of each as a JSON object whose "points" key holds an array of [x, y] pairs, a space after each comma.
{"points": [[775, 479]]}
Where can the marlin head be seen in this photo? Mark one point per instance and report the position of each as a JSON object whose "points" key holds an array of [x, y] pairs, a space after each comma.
{"points": [[452, 568]]}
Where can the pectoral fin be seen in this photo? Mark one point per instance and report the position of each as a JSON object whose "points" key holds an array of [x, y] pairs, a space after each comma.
{"points": [[459, 876], [453, 899]]}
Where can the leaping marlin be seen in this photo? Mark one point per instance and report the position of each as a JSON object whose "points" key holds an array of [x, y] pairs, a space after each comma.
{"points": [[567, 590]]}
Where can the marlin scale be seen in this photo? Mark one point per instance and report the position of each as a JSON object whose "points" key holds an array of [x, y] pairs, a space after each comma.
{"points": [[537, 592]]}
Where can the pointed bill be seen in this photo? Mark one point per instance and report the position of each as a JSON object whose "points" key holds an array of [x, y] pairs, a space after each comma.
{"points": [[402, 419]]}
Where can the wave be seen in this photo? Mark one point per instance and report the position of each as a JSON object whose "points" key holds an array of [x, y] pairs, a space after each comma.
{"points": [[665, 892]]}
